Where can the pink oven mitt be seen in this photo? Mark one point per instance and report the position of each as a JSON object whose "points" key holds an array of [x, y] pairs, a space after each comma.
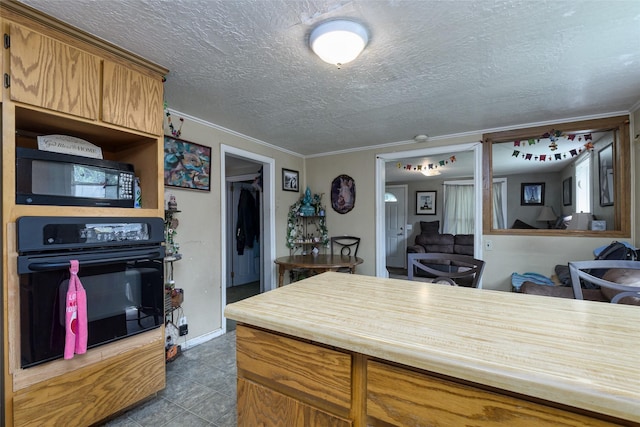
{"points": [[76, 315]]}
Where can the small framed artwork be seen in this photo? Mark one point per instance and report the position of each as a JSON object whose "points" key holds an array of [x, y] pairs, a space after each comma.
{"points": [[605, 169], [425, 202], [186, 164], [566, 192], [532, 194], [290, 180]]}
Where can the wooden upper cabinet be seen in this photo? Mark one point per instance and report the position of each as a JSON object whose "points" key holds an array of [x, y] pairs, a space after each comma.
{"points": [[131, 99], [53, 75]]}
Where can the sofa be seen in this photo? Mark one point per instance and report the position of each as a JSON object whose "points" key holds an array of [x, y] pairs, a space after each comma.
{"points": [[615, 275], [431, 240]]}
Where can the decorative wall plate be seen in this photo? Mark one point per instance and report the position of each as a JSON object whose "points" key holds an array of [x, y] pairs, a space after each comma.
{"points": [[343, 194]]}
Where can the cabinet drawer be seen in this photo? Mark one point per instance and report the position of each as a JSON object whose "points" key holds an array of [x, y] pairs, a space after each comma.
{"points": [[53, 75], [259, 406], [311, 373], [401, 397]]}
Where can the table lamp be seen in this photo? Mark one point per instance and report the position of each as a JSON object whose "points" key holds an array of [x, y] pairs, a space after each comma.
{"points": [[547, 214]]}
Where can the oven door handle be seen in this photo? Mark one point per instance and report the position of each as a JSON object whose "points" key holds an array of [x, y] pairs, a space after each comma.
{"points": [[45, 266]]}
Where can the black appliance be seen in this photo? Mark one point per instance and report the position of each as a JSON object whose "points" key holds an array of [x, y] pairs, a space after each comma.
{"points": [[47, 178], [121, 269]]}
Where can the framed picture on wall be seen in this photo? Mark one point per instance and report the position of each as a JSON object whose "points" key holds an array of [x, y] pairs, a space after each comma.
{"points": [[566, 192], [605, 169], [425, 202], [186, 164], [532, 194], [290, 180]]}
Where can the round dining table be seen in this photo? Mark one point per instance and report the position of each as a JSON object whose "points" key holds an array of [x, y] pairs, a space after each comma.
{"points": [[316, 263]]}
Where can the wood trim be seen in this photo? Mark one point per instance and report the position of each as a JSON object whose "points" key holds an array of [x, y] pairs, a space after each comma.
{"points": [[359, 390], [622, 163], [578, 126], [11, 8]]}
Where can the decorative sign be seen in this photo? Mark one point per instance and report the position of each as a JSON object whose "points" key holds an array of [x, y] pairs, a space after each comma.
{"points": [[69, 145]]}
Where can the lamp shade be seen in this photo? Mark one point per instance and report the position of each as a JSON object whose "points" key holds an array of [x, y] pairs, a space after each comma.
{"points": [[547, 214], [338, 42]]}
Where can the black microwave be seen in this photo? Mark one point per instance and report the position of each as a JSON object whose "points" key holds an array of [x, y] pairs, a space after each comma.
{"points": [[48, 178]]}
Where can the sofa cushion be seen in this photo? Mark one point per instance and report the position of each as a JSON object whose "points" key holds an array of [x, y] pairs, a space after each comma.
{"points": [[522, 225], [436, 242], [623, 276], [463, 244], [560, 291], [429, 227]]}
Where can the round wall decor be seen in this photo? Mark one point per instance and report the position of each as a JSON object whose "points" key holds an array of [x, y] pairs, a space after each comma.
{"points": [[343, 194]]}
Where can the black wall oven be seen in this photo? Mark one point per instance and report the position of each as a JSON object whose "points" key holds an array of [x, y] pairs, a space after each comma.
{"points": [[121, 269]]}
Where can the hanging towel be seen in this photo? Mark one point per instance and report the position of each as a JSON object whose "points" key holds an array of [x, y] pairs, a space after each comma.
{"points": [[76, 315]]}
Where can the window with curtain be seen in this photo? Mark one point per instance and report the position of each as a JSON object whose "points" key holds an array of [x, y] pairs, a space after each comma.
{"points": [[459, 207], [499, 200], [583, 187]]}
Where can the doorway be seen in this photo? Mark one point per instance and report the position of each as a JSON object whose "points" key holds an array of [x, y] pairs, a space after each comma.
{"points": [[253, 266], [395, 214], [380, 184]]}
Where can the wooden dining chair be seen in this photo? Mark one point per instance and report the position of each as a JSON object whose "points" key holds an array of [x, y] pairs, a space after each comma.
{"points": [[452, 269]]}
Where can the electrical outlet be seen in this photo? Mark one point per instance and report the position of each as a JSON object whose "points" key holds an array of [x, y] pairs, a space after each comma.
{"points": [[488, 245], [183, 329]]}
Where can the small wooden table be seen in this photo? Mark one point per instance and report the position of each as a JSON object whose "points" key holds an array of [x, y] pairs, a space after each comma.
{"points": [[316, 263]]}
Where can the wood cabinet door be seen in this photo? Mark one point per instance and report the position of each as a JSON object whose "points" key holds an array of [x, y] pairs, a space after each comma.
{"points": [[53, 75], [260, 406], [401, 397], [131, 99]]}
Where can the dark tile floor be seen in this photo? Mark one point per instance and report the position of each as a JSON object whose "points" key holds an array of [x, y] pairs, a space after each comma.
{"points": [[200, 391], [201, 384]]}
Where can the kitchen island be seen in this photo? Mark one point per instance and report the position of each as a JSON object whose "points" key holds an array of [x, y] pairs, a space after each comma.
{"points": [[351, 350]]}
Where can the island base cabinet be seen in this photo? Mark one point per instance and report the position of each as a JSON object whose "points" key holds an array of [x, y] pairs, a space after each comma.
{"points": [[397, 396], [264, 407]]}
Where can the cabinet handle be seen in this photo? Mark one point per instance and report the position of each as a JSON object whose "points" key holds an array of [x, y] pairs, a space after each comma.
{"points": [[7, 80], [7, 41]]}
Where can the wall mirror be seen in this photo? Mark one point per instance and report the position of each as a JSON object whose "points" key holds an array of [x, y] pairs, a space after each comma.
{"points": [[581, 170]]}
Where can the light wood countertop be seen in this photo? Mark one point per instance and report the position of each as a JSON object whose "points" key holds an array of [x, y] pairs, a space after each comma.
{"points": [[578, 353]]}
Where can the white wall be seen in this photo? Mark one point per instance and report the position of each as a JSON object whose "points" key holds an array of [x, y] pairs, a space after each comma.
{"points": [[199, 231], [199, 271], [510, 253]]}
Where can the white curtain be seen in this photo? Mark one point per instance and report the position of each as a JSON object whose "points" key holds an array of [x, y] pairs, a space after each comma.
{"points": [[459, 209], [497, 208]]}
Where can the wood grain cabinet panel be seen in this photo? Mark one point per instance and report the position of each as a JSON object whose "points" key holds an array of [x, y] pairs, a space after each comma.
{"points": [[402, 397], [53, 75], [265, 407], [313, 373], [86, 396], [131, 99]]}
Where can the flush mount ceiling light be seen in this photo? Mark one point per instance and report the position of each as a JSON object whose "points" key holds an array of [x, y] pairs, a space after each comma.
{"points": [[421, 138], [338, 42], [430, 172]]}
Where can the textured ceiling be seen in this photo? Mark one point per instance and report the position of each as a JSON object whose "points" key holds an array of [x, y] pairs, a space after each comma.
{"points": [[431, 67]]}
